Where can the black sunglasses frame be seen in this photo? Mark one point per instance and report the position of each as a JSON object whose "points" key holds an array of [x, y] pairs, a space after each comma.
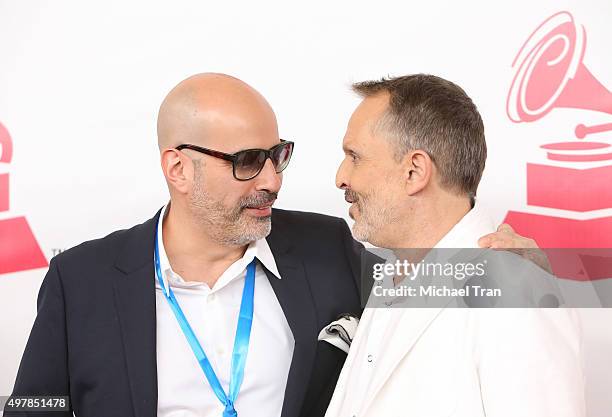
{"points": [[232, 157]]}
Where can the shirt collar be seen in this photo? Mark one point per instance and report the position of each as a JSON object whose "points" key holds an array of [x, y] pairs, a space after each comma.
{"points": [[468, 230], [258, 249]]}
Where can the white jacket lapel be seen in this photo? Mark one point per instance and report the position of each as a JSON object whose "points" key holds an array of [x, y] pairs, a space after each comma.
{"points": [[338, 401], [403, 333]]}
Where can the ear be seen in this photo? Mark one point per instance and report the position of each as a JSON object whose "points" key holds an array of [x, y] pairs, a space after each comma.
{"points": [[178, 169], [418, 169]]}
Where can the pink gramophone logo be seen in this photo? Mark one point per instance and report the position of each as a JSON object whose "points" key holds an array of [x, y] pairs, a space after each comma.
{"points": [[19, 250], [570, 194]]}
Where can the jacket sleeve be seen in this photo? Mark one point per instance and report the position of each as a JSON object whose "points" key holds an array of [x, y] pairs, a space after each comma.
{"points": [[44, 366]]}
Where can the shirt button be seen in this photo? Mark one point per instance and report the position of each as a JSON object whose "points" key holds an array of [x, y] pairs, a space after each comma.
{"points": [[370, 358], [211, 297]]}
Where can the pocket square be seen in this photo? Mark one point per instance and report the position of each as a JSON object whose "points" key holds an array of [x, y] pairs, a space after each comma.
{"points": [[340, 332]]}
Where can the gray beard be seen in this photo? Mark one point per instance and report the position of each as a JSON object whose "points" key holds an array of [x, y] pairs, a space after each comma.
{"points": [[228, 226]]}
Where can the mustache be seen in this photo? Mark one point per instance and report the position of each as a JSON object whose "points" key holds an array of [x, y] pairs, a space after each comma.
{"points": [[260, 199], [351, 196]]}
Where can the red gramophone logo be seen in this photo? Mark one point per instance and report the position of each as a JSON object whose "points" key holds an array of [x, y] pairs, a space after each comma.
{"points": [[19, 250], [567, 195]]}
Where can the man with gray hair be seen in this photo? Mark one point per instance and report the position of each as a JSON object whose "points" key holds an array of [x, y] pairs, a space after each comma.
{"points": [[415, 151], [212, 307]]}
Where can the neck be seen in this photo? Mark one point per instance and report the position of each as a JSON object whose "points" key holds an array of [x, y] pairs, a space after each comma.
{"points": [[431, 219], [191, 251]]}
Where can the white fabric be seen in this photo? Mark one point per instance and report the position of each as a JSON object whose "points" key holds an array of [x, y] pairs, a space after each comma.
{"points": [[348, 324], [213, 314], [434, 362]]}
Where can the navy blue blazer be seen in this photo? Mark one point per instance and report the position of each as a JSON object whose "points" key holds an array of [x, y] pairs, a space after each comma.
{"points": [[94, 335]]}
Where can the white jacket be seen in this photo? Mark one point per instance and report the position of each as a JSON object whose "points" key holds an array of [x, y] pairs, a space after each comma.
{"points": [[460, 362]]}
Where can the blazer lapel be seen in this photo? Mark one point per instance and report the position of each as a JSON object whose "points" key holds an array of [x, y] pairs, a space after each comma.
{"points": [[295, 298], [135, 304], [403, 332]]}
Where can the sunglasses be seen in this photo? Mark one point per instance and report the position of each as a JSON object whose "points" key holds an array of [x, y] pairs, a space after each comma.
{"points": [[247, 164]]}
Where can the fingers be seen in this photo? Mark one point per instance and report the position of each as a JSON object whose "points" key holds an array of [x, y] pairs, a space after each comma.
{"points": [[502, 244], [485, 241], [497, 240], [503, 240], [506, 228], [506, 237]]}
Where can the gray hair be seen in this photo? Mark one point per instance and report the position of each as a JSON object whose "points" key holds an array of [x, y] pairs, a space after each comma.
{"points": [[434, 115]]}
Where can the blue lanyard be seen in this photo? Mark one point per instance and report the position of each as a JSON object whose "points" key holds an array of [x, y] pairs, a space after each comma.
{"points": [[241, 341]]}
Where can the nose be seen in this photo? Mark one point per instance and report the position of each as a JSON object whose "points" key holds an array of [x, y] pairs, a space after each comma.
{"points": [[342, 176], [268, 179]]}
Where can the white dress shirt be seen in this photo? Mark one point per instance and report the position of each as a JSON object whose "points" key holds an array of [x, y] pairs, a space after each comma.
{"points": [[213, 315]]}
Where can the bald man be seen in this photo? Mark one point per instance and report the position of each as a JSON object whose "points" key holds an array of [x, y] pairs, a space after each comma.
{"points": [[155, 320], [205, 309]]}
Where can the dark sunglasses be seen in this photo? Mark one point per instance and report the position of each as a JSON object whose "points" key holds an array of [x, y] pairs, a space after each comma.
{"points": [[247, 164]]}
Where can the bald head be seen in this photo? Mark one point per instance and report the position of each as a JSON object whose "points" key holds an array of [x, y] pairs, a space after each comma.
{"points": [[215, 111], [222, 113]]}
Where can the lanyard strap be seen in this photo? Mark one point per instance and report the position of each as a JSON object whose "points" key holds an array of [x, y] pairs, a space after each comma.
{"points": [[241, 341]]}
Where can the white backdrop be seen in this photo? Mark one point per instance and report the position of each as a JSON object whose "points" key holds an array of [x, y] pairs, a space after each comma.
{"points": [[81, 82]]}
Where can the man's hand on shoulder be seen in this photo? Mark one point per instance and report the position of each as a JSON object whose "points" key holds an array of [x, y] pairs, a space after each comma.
{"points": [[505, 238]]}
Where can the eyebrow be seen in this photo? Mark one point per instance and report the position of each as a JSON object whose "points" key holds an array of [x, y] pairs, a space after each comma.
{"points": [[350, 151], [347, 148]]}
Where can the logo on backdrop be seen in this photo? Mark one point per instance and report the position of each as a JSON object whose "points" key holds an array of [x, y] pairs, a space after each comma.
{"points": [[19, 250], [569, 194]]}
